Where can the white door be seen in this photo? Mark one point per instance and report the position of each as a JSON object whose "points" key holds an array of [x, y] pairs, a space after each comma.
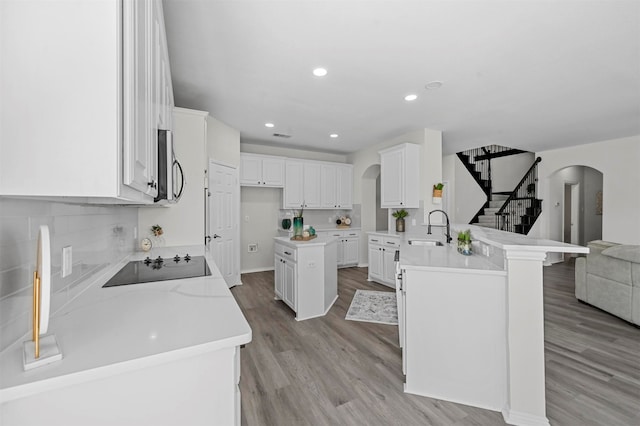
{"points": [[223, 217]]}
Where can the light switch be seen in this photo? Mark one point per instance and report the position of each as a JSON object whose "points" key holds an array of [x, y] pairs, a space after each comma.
{"points": [[246, 219]]}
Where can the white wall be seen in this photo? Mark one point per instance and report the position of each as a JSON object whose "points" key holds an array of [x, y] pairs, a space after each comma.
{"points": [[223, 142], [263, 205], [506, 172], [469, 197], [364, 182], [292, 153], [97, 235], [183, 222], [618, 161]]}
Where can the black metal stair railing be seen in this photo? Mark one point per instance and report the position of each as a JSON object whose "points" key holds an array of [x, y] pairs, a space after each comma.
{"points": [[478, 162], [520, 211]]}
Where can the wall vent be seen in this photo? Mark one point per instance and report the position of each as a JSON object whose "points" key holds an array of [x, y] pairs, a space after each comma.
{"points": [[281, 135]]}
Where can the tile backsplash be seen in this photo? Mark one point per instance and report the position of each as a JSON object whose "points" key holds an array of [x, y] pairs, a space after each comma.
{"points": [[98, 235]]}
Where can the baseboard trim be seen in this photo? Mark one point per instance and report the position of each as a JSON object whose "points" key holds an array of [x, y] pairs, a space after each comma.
{"points": [[519, 418], [250, 271]]}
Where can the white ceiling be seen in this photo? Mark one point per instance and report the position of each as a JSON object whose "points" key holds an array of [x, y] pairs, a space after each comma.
{"points": [[528, 74]]}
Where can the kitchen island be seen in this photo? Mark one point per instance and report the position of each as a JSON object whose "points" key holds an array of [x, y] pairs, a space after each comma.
{"points": [[161, 353], [306, 275], [473, 325]]}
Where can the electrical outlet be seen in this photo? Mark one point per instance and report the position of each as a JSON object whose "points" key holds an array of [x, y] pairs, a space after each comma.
{"points": [[135, 232], [253, 248], [246, 219], [330, 220], [413, 222], [67, 261], [311, 264]]}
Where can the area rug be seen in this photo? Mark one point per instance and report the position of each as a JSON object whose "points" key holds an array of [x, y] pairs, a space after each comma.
{"points": [[374, 306]]}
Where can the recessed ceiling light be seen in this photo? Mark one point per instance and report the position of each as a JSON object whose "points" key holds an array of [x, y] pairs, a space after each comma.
{"points": [[411, 97], [269, 125], [333, 135], [433, 85], [320, 72]]}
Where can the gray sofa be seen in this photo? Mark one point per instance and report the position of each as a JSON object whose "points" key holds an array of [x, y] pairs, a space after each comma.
{"points": [[609, 278]]}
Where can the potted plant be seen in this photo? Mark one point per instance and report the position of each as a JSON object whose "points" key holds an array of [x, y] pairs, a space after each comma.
{"points": [[400, 215], [464, 242], [437, 192]]}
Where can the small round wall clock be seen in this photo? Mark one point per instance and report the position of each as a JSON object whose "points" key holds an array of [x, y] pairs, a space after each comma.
{"points": [[145, 244]]}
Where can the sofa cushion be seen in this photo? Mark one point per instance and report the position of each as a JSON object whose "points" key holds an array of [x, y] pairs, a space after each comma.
{"points": [[624, 252], [610, 296], [609, 267]]}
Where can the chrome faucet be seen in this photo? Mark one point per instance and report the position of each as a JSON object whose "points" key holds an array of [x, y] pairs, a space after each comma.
{"points": [[448, 226]]}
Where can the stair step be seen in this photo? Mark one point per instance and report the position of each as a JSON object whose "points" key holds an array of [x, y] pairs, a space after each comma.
{"points": [[495, 204], [486, 219]]}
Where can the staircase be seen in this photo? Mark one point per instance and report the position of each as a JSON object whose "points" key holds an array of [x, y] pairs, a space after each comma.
{"points": [[487, 218], [514, 211]]}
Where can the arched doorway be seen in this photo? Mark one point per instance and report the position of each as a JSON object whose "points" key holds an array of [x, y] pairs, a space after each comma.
{"points": [[576, 204]]}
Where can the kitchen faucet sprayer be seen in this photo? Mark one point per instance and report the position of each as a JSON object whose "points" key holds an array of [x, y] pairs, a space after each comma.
{"points": [[448, 226]]}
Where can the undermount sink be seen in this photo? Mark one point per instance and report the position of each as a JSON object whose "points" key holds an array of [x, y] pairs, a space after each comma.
{"points": [[419, 242]]}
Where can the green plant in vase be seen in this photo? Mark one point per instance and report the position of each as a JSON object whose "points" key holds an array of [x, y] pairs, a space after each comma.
{"points": [[400, 215], [464, 242]]}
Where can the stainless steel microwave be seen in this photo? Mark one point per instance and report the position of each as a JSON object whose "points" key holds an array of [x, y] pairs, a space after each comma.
{"points": [[170, 174]]}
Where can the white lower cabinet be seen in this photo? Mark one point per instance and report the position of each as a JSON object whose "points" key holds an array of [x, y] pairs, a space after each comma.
{"points": [[382, 250], [285, 277], [306, 276], [455, 339], [150, 393], [348, 243]]}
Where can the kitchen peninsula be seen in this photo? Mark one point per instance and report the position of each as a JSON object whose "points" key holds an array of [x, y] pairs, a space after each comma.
{"points": [[306, 275], [473, 325], [162, 353]]}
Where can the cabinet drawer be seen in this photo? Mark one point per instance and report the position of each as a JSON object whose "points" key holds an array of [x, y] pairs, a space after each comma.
{"points": [[351, 234], [377, 239], [286, 252], [391, 242]]}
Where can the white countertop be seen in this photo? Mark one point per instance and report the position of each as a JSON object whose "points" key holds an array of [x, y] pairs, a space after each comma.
{"points": [[447, 256], [107, 331], [318, 241], [511, 241]]}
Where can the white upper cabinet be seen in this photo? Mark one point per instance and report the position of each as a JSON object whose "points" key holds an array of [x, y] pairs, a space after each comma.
{"points": [[302, 184], [261, 170], [336, 187], [294, 184], [312, 185], [400, 176], [85, 124], [318, 185], [344, 186], [328, 194]]}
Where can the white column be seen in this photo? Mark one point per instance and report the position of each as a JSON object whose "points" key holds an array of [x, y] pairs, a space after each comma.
{"points": [[526, 403]]}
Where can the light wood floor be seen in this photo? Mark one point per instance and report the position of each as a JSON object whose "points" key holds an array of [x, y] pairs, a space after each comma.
{"points": [[330, 371]]}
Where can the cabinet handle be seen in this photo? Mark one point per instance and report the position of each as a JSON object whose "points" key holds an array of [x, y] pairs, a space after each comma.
{"points": [[374, 241], [287, 253], [153, 184]]}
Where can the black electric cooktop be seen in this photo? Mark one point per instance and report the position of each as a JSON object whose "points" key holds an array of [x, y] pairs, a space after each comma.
{"points": [[159, 269]]}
